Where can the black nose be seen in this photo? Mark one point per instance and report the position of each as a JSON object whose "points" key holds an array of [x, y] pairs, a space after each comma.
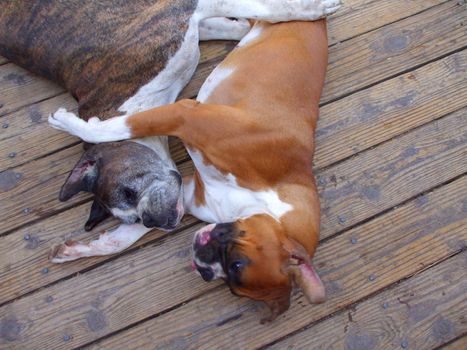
{"points": [[150, 221], [206, 273]]}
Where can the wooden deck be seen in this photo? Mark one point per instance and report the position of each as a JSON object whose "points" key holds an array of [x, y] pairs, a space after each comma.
{"points": [[390, 164]]}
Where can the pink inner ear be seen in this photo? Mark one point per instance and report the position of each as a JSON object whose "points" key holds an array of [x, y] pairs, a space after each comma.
{"points": [[311, 284], [79, 172]]}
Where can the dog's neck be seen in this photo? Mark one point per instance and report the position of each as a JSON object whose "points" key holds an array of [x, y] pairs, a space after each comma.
{"points": [[214, 196]]}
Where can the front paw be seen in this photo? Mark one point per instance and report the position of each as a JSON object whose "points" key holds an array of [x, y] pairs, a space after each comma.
{"points": [[69, 122], [63, 252]]}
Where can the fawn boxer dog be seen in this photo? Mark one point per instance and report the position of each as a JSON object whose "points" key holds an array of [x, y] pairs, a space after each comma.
{"points": [[251, 136], [121, 57]]}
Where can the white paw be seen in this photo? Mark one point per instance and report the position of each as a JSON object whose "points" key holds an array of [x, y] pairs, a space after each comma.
{"points": [[94, 121], [67, 121], [64, 252], [330, 6]]}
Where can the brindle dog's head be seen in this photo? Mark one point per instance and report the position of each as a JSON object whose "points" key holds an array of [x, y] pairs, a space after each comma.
{"points": [[129, 181], [257, 260]]}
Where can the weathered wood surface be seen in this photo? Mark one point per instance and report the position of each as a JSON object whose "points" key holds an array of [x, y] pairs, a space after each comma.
{"points": [[422, 232], [20, 88], [458, 344], [350, 192], [400, 132], [423, 312], [346, 127], [437, 146], [399, 46]]}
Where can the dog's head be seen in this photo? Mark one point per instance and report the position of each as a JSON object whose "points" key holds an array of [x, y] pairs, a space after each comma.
{"points": [[257, 260], [130, 181]]}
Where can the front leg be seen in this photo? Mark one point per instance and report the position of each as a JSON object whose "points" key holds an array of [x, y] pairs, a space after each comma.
{"points": [[186, 119], [109, 242], [92, 131], [269, 10]]}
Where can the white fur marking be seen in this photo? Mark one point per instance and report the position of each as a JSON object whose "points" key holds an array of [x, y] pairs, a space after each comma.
{"points": [[254, 33], [110, 242], [114, 129], [226, 201], [212, 82]]}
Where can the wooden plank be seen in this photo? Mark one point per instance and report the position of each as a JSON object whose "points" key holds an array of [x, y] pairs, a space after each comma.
{"points": [[458, 344], [379, 113], [390, 248], [380, 178], [350, 192], [361, 16], [346, 127], [391, 49], [423, 312], [356, 17], [20, 88], [117, 301], [23, 254]]}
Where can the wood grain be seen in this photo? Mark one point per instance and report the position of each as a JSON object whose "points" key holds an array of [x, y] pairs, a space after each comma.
{"points": [[350, 192], [380, 178], [370, 116], [19, 88], [23, 254], [374, 115], [394, 246], [134, 286], [399, 46], [423, 312], [345, 128], [458, 344]]}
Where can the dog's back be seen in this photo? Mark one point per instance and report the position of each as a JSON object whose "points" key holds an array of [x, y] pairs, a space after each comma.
{"points": [[86, 45]]}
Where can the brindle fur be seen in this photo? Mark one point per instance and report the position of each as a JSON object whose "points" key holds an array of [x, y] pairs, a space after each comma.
{"points": [[102, 67]]}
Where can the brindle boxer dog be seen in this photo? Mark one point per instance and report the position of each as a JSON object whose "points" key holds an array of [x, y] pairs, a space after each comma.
{"points": [[118, 58], [250, 135]]}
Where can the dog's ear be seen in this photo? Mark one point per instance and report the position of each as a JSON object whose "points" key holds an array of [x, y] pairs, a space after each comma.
{"points": [[277, 307], [302, 272], [97, 214], [82, 178]]}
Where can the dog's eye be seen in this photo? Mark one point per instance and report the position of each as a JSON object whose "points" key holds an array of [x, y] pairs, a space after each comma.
{"points": [[129, 194], [235, 266]]}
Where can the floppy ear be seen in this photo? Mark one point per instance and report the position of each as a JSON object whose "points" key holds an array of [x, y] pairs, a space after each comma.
{"points": [[303, 274], [97, 214], [82, 178]]}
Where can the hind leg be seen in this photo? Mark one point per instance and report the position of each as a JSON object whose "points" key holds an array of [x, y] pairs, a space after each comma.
{"points": [[268, 10]]}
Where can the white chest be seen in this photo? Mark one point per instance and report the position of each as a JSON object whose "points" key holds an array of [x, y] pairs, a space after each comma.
{"points": [[226, 201]]}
